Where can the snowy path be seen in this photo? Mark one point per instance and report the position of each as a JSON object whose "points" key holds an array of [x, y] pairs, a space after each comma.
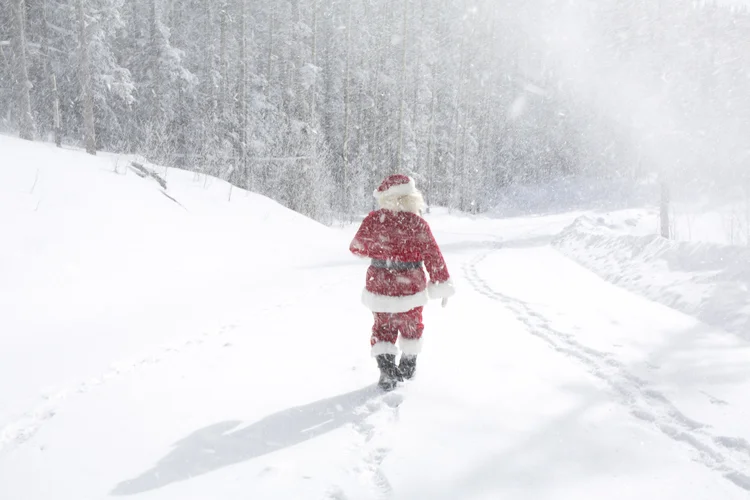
{"points": [[538, 381], [569, 308]]}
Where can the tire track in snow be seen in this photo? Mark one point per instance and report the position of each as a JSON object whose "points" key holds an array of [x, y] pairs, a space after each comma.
{"points": [[729, 456]]}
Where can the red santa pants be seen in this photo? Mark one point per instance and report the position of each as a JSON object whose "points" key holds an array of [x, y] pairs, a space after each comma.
{"points": [[387, 326]]}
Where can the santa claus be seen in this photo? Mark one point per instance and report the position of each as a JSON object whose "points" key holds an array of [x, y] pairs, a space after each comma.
{"points": [[401, 246]]}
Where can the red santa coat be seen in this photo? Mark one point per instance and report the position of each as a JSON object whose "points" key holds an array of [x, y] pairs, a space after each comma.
{"points": [[400, 237]]}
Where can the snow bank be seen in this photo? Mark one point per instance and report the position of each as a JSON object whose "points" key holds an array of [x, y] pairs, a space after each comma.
{"points": [[706, 280]]}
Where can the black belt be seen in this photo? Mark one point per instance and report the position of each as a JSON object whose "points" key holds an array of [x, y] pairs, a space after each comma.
{"points": [[398, 266]]}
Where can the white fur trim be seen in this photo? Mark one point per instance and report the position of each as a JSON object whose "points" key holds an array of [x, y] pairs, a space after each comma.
{"points": [[410, 347], [387, 304], [413, 203], [441, 290], [383, 348], [398, 190]]}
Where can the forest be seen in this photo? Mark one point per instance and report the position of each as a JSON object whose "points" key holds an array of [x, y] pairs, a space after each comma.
{"points": [[313, 102]]}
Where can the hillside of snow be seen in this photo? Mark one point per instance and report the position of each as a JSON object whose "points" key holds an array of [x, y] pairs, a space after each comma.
{"points": [[99, 265], [195, 342]]}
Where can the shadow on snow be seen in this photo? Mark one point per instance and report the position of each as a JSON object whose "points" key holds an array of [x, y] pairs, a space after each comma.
{"points": [[227, 443]]}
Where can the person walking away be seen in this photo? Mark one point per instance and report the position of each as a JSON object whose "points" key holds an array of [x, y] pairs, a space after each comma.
{"points": [[401, 246]]}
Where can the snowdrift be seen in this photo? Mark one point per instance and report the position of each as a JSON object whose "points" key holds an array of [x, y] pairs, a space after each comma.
{"points": [[706, 280], [101, 258]]}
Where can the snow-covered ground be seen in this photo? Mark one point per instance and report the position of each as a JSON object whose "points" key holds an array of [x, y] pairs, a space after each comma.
{"points": [[193, 347], [707, 280]]}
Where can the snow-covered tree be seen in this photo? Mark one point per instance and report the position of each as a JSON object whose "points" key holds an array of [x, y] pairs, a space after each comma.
{"points": [[313, 102]]}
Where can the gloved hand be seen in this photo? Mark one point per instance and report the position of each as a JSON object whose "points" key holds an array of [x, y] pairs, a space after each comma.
{"points": [[444, 302]]}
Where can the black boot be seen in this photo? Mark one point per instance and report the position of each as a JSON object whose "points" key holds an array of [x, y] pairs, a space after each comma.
{"points": [[389, 373], [407, 366]]}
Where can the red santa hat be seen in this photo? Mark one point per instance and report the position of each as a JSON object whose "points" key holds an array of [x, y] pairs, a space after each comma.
{"points": [[396, 185]]}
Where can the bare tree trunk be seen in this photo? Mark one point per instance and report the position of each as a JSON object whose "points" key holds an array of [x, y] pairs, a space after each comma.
{"points": [[664, 209], [57, 121], [399, 163], [157, 113], [243, 94], [314, 89], [23, 99], [152, 24], [208, 33], [431, 132], [295, 61], [207, 90], [48, 102], [417, 54], [86, 86], [346, 108], [271, 27], [223, 66], [136, 32], [377, 125], [462, 165], [314, 61], [457, 114]]}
